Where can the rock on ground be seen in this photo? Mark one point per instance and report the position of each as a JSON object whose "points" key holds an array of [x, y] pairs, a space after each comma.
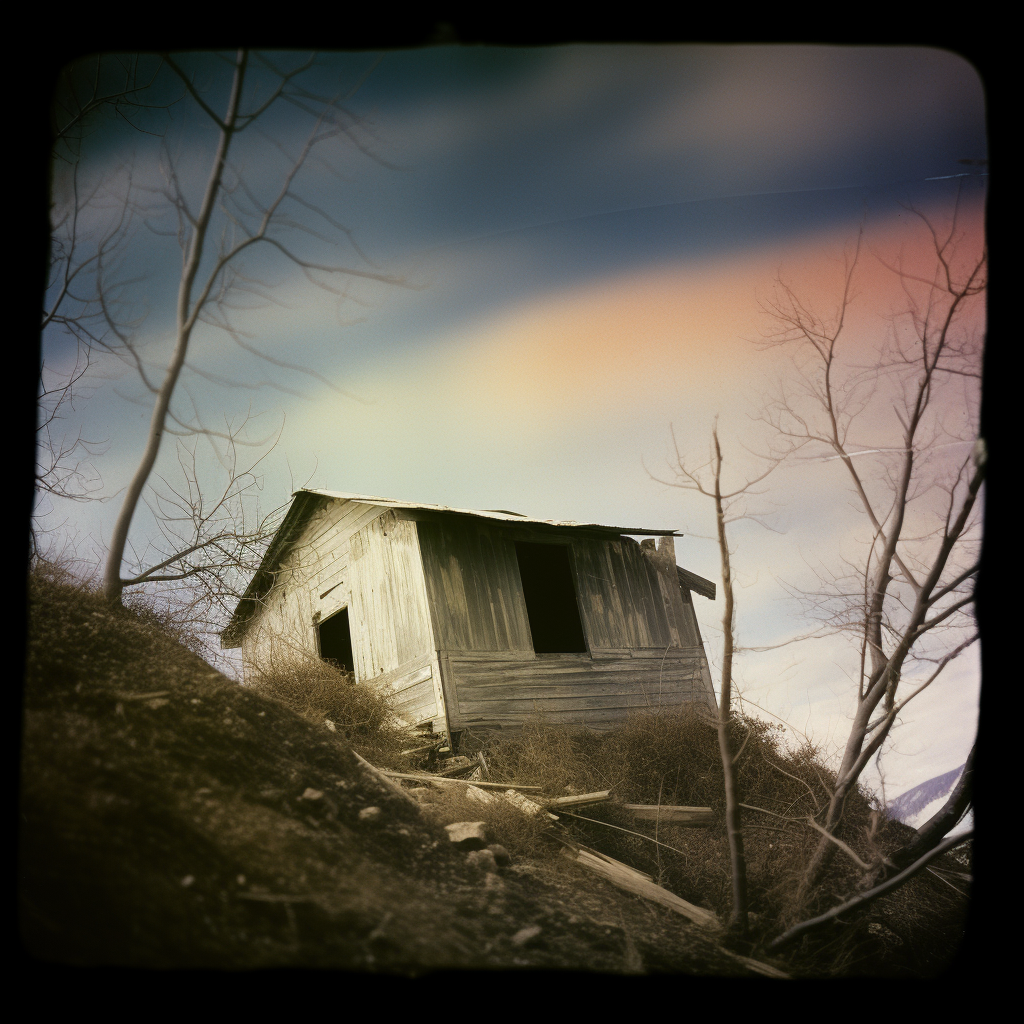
{"points": [[484, 860], [468, 835]]}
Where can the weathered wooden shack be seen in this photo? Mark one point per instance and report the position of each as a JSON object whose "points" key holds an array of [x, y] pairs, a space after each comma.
{"points": [[479, 619]]}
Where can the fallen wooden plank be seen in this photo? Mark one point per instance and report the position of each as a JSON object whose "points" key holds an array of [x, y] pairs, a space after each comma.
{"points": [[639, 884], [760, 968], [441, 781], [643, 885], [525, 804], [616, 863], [455, 770], [666, 814], [417, 750], [579, 800], [382, 777]]}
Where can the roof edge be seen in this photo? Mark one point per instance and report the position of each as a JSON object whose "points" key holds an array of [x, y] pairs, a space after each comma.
{"points": [[294, 521], [501, 516]]}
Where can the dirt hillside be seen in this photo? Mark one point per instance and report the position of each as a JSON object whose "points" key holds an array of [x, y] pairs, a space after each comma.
{"points": [[172, 818]]}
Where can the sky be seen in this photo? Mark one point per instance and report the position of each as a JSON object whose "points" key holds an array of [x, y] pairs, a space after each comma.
{"points": [[582, 240]]}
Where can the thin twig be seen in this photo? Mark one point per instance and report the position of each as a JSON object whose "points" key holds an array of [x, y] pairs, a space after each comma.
{"points": [[620, 829], [872, 894], [811, 823]]}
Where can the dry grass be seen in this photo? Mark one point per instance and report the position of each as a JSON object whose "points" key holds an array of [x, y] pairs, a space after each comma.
{"points": [[524, 836], [674, 759], [321, 692]]}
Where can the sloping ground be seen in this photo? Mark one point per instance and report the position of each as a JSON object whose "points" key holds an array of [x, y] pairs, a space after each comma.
{"points": [[171, 818]]}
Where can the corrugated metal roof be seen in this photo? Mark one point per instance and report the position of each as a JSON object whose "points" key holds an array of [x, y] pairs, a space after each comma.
{"points": [[499, 514]]}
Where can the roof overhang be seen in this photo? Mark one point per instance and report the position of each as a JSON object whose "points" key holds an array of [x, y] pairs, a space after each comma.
{"points": [[500, 515]]}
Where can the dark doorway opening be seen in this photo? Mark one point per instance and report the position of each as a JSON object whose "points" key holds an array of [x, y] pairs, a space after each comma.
{"points": [[336, 640], [550, 593]]}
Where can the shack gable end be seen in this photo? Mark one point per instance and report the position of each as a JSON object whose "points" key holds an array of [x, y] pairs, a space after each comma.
{"points": [[363, 559]]}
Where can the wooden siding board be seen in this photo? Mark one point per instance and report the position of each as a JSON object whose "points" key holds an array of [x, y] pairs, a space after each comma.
{"points": [[689, 629], [504, 672], [332, 574], [568, 687], [417, 693], [504, 675], [635, 585], [599, 702], [597, 719], [338, 523], [416, 702], [606, 619], [647, 691], [652, 614], [474, 588], [393, 614], [410, 673]]}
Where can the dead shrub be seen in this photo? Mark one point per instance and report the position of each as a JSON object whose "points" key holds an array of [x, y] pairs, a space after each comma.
{"points": [[674, 759], [321, 692]]}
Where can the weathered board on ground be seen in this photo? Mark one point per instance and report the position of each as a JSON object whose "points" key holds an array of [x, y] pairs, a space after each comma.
{"points": [[696, 817], [625, 877]]}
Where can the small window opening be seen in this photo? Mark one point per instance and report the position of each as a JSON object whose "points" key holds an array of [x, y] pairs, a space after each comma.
{"points": [[336, 641], [550, 594]]}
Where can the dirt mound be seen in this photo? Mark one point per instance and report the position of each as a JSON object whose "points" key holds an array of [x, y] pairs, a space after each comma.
{"points": [[172, 818]]}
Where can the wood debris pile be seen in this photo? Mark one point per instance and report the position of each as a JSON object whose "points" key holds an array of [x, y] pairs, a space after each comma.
{"points": [[472, 776]]}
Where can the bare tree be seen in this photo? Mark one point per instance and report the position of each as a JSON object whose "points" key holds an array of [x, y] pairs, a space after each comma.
{"points": [[943, 821], [730, 506], [231, 230], [89, 91], [74, 313], [907, 600], [91, 221]]}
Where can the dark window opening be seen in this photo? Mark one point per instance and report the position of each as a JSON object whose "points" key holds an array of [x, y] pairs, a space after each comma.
{"points": [[336, 641], [550, 598]]}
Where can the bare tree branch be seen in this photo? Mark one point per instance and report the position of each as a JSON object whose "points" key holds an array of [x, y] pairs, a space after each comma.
{"points": [[892, 601]]}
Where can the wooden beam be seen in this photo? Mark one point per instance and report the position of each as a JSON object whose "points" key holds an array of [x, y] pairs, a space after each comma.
{"points": [[696, 583], [636, 882], [439, 781], [631, 880], [695, 817], [382, 777], [579, 801]]}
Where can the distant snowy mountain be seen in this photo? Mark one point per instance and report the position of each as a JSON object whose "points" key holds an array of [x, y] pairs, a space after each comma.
{"points": [[928, 796], [929, 809]]}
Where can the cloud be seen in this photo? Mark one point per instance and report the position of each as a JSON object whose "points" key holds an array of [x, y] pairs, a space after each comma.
{"points": [[811, 116]]}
